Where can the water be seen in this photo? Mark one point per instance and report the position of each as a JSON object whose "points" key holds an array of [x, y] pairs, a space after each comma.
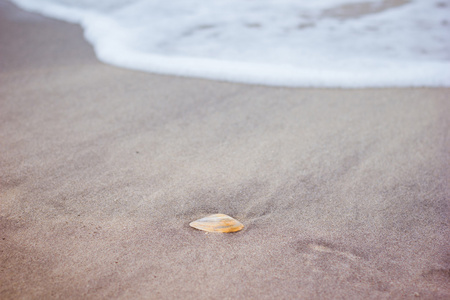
{"points": [[321, 43]]}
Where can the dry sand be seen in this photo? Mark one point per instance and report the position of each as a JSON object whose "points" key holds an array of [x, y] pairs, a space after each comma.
{"points": [[344, 193]]}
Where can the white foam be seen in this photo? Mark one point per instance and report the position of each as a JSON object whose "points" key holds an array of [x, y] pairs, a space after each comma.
{"points": [[272, 42]]}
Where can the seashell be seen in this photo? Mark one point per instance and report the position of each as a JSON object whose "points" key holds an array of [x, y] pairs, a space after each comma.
{"points": [[217, 223]]}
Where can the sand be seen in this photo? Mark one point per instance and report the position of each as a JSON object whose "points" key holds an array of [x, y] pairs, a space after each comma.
{"points": [[344, 194]]}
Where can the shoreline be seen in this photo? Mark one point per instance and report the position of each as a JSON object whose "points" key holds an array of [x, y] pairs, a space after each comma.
{"points": [[343, 192], [336, 71]]}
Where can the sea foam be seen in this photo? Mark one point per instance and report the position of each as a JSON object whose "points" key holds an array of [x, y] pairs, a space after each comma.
{"points": [[320, 43]]}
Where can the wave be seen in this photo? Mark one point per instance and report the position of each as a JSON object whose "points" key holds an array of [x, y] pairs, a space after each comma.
{"points": [[326, 43]]}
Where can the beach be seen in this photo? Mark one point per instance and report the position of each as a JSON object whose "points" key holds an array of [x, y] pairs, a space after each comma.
{"points": [[344, 193]]}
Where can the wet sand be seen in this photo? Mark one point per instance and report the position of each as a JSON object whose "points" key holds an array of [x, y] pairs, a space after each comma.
{"points": [[344, 194]]}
